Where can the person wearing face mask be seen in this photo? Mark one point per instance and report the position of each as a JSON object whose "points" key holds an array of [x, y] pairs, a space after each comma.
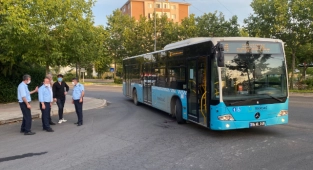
{"points": [[49, 76], [24, 99], [60, 89], [45, 99], [78, 95]]}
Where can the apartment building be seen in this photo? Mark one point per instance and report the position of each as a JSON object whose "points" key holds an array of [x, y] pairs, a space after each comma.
{"points": [[176, 11]]}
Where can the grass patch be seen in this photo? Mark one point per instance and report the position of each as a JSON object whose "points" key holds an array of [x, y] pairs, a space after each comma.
{"points": [[301, 91]]}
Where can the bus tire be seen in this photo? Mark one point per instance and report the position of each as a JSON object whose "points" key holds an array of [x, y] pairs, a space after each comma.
{"points": [[135, 98], [179, 112]]}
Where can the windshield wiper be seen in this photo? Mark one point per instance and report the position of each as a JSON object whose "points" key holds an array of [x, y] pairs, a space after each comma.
{"points": [[280, 100], [242, 101]]}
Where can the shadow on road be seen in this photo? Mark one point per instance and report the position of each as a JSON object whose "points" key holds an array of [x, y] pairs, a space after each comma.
{"points": [[200, 130], [11, 158]]}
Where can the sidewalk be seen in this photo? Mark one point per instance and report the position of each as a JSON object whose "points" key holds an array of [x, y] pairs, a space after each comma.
{"points": [[12, 113]]}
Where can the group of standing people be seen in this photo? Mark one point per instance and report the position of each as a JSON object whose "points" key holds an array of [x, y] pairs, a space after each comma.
{"points": [[49, 92]]}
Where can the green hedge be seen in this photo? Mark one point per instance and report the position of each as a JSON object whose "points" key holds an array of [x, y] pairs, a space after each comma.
{"points": [[9, 83], [68, 77], [309, 83], [118, 80]]}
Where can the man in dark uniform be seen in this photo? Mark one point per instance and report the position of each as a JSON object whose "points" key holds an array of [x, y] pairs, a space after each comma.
{"points": [[24, 99], [60, 89]]}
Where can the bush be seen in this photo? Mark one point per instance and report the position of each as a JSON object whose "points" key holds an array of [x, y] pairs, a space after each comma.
{"points": [[118, 80], [309, 83], [9, 83], [68, 77]]}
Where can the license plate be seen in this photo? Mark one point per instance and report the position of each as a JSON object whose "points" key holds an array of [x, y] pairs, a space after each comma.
{"points": [[256, 124]]}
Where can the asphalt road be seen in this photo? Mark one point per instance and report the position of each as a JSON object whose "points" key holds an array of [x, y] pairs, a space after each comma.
{"points": [[124, 136]]}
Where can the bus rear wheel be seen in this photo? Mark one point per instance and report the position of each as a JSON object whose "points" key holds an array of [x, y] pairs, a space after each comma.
{"points": [[179, 112], [135, 99]]}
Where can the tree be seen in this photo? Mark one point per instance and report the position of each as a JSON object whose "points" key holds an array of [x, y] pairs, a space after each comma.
{"points": [[139, 38], [289, 20], [55, 20], [188, 28], [15, 28], [243, 32], [118, 23], [35, 31], [305, 57], [166, 30], [101, 58], [215, 25]]}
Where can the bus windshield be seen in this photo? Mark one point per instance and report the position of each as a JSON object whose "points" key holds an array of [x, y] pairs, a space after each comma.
{"points": [[253, 76]]}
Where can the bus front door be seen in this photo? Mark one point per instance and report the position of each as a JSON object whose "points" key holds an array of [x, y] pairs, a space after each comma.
{"points": [[147, 84], [196, 90]]}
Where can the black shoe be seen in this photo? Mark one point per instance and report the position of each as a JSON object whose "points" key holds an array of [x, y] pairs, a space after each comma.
{"points": [[29, 133], [79, 124], [76, 123], [22, 131], [51, 123], [50, 130]]}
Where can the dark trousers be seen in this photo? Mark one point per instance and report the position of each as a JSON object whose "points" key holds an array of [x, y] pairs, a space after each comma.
{"points": [[49, 114], [60, 103], [27, 118], [45, 114], [79, 111]]}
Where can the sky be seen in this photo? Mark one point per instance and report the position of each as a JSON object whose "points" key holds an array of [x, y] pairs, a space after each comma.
{"points": [[229, 8]]}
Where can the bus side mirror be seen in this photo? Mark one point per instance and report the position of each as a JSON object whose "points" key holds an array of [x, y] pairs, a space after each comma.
{"points": [[220, 56]]}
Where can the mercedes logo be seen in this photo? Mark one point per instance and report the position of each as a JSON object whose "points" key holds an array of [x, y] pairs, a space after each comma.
{"points": [[257, 102], [257, 115]]}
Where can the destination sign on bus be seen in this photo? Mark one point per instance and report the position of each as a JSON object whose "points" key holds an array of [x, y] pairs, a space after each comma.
{"points": [[252, 47]]}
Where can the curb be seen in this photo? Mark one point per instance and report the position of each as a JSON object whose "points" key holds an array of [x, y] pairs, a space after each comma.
{"points": [[67, 111], [18, 119], [37, 113]]}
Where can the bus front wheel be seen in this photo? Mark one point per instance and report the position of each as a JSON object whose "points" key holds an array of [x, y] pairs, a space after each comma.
{"points": [[179, 112], [135, 99]]}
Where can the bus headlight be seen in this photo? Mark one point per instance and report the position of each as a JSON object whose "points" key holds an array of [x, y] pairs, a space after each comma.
{"points": [[226, 118], [283, 113]]}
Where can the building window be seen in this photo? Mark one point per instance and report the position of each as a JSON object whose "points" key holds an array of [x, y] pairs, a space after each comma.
{"points": [[165, 6], [150, 5], [173, 16], [159, 14], [128, 6], [173, 7], [158, 5]]}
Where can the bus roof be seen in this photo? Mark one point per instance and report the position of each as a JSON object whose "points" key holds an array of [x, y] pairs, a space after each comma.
{"points": [[198, 40], [214, 40]]}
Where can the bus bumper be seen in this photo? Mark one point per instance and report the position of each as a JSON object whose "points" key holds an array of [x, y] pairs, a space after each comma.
{"points": [[228, 125]]}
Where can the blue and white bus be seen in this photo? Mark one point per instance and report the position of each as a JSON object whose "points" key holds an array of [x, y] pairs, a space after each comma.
{"points": [[220, 83]]}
